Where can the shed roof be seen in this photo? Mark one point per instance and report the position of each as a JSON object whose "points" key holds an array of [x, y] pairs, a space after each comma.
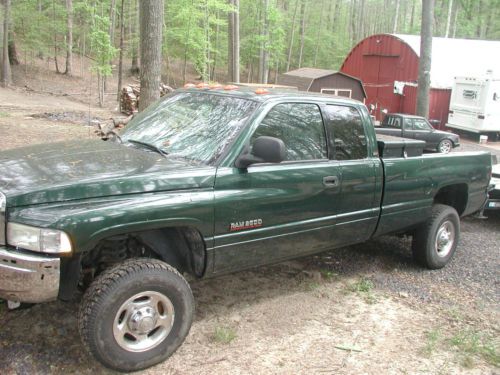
{"points": [[311, 73], [457, 57]]}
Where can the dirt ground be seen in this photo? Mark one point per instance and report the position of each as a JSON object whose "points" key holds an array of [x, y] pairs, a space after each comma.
{"points": [[365, 309]]}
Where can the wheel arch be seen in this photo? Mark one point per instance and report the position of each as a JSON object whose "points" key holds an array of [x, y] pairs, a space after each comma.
{"points": [[455, 195], [180, 244]]}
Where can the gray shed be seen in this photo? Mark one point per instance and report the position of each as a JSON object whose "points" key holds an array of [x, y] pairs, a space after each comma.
{"points": [[324, 81]]}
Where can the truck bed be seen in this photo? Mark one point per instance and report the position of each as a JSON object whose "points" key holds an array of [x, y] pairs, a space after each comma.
{"points": [[411, 185]]}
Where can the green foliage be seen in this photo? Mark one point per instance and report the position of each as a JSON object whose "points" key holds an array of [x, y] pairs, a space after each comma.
{"points": [[471, 343], [224, 335], [103, 50], [196, 30]]}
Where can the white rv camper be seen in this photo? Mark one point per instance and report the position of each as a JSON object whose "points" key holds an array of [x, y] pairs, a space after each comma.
{"points": [[475, 105]]}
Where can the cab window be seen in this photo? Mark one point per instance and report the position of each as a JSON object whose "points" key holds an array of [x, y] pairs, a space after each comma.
{"points": [[300, 126], [420, 124], [345, 128]]}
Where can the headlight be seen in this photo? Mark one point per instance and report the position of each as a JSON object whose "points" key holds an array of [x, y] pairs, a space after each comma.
{"points": [[38, 239]]}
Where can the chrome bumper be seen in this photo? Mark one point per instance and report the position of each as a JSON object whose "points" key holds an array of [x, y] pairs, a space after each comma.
{"points": [[28, 277]]}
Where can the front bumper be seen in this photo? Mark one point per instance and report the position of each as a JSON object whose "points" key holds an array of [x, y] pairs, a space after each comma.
{"points": [[29, 278]]}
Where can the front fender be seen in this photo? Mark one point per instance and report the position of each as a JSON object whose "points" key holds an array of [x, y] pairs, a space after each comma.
{"points": [[89, 221]]}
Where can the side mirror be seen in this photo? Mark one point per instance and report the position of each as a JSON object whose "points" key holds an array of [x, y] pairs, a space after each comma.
{"points": [[264, 150]]}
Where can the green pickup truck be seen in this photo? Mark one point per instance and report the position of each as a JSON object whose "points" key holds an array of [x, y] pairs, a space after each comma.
{"points": [[210, 181]]}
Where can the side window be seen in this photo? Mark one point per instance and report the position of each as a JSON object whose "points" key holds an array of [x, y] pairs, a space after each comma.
{"points": [[408, 124], [346, 128], [420, 124], [299, 126]]}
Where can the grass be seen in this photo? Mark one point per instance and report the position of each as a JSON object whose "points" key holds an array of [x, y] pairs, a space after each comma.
{"points": [[224, 335], [328, 275], [432, 339], [4, 114], [364, 288], [472, 344], [469, 346]]}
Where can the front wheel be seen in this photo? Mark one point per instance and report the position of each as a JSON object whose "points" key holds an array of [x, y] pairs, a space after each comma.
{"points": [[435, 241], [445, 146], [136, 314]]}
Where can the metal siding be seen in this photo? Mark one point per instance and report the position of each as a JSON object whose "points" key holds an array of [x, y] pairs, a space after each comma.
{"points": [[378, 61], [409, 100], [439, 105]]}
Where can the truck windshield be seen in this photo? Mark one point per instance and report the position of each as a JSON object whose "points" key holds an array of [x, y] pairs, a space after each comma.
{"points": [[196, 126]]}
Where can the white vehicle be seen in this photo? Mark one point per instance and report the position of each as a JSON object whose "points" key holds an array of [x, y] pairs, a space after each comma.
{"points": [[475, 105]]}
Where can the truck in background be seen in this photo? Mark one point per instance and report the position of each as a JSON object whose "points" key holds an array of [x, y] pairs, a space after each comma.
{"points": [[475, 105]]}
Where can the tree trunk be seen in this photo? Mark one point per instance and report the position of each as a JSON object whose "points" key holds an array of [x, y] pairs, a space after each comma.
{"points": [[412, 17], [318, 36], [457, 6], [69, 40], [56, 49], [151, 27], [396, 16], [290, 46], [120, 61], [264, 54], [302, 30], [134, 69], [448, 19], [13, 55], [236, 43], [216, 49], [361, 19], [6, 75], [424, 66], [230, 43]]}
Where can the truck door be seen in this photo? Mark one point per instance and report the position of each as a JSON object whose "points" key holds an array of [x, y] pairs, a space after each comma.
{"points": [[271, 212], [358, 206], [408, 130]]}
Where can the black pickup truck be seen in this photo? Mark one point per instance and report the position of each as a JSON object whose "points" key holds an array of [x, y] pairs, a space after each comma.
{"points": [[416, 127]]}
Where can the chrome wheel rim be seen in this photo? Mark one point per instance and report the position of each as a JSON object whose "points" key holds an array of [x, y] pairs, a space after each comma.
{"points": [[445, 147], [445, 238], [143, 321]]}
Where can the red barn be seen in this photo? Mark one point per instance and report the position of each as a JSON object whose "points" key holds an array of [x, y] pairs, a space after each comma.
{"points": [[387, 64]]}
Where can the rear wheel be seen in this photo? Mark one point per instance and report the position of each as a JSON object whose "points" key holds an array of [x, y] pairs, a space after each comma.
{"points": [[445, 146], [136, 314], [435, 241]]}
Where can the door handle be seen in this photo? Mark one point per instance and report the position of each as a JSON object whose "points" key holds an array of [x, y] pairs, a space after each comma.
{"points": [[331, 181]]}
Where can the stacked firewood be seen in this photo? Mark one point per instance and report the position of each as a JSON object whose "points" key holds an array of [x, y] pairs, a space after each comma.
{"points": [[129, 99]]}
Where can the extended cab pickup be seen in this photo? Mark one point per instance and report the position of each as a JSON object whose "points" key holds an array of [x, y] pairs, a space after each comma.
{"points": [[206, 182], [416, 127]]}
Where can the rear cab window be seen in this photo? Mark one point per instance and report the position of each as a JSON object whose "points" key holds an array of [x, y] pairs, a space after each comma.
{"points": [[392, 121], [346, 132]]}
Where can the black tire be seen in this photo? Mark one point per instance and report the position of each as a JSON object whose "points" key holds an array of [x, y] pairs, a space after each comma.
{"points": [[445, 146], [427, 250], [113, 291]]}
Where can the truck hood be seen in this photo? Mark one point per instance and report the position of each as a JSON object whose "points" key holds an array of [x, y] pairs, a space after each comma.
{"points": [[93, 168]]}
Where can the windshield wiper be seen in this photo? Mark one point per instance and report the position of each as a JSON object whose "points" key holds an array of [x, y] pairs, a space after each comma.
{"points": [[149, 146]]}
